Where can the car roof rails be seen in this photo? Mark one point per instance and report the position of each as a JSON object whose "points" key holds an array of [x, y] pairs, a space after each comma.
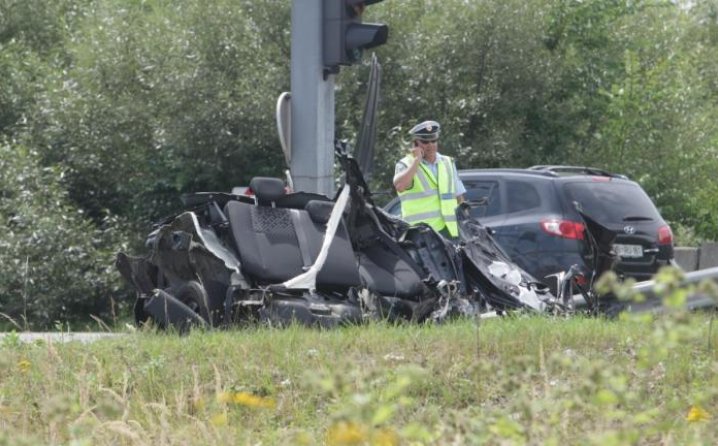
{"points": [[517, 170], [581, 170]]}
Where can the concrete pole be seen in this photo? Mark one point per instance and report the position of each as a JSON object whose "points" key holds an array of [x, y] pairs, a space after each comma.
{"points": [[312, 105]]}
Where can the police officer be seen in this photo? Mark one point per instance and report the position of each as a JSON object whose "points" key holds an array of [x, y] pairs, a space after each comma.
{"points": [[427, 182]]}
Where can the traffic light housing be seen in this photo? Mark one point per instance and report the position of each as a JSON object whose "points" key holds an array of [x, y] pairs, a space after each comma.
{"points": [[344, 36]]}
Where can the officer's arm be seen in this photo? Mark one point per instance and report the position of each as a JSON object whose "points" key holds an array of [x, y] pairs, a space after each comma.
{"points": [[404, 179]]}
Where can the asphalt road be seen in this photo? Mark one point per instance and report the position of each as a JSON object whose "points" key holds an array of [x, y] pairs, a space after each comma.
{"points": [[84, 337]]}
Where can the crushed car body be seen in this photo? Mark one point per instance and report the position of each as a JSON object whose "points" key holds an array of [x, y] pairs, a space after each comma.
{"points": [[280, 258]]}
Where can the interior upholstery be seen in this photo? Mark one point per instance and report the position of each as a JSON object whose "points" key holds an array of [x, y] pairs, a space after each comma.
{"points": [[385, 273], [266, 239], [267, 189]]}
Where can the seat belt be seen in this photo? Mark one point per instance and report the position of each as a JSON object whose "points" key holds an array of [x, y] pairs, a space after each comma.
{"points": [[301, 238]]}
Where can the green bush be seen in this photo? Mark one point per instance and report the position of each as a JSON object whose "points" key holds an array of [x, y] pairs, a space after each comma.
{"points": [[55, 263], [165, 98]]}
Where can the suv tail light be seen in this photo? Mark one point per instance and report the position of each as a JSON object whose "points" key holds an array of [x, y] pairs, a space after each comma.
{"points": [[581, 280], [563, 228], [665, 235]]}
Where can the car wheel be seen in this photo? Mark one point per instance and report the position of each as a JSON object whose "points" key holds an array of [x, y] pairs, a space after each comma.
{"points": [[195, 297]]}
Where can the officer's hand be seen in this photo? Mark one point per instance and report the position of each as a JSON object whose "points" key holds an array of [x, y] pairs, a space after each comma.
{"points": [[418, 152]]}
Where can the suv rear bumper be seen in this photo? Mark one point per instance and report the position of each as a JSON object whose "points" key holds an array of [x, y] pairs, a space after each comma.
{"points": [[640, 271]]}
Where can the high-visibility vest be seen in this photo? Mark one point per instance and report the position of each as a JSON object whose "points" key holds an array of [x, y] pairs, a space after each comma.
{"points": [[431, 199]]}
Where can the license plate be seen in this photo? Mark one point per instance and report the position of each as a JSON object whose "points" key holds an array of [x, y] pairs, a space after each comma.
{"points": [[629, 251]]}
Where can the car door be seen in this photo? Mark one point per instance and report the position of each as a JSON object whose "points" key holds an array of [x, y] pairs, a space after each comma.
{"points": [[484, 195], [527, 203], [509, 208]]}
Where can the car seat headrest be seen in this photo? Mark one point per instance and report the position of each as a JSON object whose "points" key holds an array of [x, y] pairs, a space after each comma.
{"points": [[267, 189], [319, 211]]}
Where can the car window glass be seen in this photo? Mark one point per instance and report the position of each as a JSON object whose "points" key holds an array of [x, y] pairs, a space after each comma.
{"points": [[612, 202], [483, 196], [521, 196]]}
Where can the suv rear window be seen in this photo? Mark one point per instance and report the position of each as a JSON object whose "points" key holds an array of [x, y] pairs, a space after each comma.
{"points": [[612, 202]]}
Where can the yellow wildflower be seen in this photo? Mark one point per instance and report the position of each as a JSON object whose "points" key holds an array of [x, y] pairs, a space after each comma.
{"points": [[24, 365], [346, 433], [384, 437], [249, 400], [245, 399], [697, 413]]}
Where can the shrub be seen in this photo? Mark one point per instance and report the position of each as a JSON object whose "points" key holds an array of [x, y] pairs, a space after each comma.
{"points": [[55, 264]]}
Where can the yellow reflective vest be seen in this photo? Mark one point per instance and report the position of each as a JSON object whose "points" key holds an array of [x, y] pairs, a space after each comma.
{"points": [[431, 199]]}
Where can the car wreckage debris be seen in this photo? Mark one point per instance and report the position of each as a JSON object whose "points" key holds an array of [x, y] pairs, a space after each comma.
{"points": [[280, 258]]}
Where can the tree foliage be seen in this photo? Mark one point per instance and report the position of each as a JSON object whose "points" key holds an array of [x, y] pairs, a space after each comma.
{"points": [[56, 264], [120, 106], [164, 97]]}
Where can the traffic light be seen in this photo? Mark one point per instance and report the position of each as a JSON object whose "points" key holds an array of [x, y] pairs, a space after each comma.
{"points": [[344, 36]]}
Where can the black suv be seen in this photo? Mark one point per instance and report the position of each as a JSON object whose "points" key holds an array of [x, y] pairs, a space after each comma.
{"points": [[535, 221]]}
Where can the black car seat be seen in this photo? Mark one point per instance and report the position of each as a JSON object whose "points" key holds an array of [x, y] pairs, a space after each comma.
{"points": [[386, 273], [276, 244], [384, 266]]}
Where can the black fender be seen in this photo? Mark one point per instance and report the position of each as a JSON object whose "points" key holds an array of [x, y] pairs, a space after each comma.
{"points": [[168, 312]]}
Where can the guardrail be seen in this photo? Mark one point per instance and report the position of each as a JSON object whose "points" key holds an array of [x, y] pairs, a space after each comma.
{"points": [[702, 257]]}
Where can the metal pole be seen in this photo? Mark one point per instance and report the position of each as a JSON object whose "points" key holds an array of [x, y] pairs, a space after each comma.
{"points": [[312, 103]]}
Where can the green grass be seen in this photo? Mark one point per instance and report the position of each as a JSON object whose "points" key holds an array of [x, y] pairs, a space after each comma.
{"points": [[505, 381]]}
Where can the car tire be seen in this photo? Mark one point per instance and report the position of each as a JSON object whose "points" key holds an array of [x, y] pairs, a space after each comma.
{"points": [[195, 297]]}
